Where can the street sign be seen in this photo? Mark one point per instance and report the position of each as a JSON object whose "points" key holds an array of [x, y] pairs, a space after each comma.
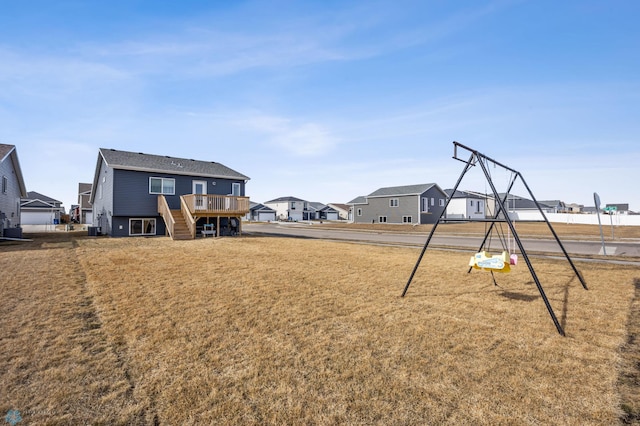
{"points": [[611, 209], [596, 199]]}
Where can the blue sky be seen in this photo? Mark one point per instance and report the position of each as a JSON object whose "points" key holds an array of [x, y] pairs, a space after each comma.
{"points": [[328, 100]]}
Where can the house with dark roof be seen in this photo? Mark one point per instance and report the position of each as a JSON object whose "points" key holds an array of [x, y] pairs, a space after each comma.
{"points": [[410, 204], [342, 209], [261, 213], [84, 209], [12, 189], [39, 209], [138, 194]]}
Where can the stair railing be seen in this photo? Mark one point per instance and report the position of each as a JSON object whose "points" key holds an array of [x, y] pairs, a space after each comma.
{"points": [[165, 212], [188, 217]]}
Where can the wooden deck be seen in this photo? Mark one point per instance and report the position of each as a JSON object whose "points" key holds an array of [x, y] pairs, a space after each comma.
{"points": [[197, 206]]}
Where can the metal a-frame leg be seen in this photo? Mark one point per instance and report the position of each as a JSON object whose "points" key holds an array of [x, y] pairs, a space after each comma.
{"points": [[524, 255]]}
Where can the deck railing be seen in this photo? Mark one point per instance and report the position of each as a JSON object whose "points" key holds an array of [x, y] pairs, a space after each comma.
{"points": [[202, 204], [165, 212]]}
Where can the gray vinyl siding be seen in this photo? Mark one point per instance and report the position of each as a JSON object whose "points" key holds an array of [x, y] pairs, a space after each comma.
{"points": [[9, 201], [103, 199], [408, 205], [379, 206]]}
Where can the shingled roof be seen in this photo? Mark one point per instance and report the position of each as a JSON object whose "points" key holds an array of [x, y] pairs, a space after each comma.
{"points": [[401, 190], [139, 161]]}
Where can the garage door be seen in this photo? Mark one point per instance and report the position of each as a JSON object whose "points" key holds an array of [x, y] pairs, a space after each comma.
{"points": [[266, 216]]}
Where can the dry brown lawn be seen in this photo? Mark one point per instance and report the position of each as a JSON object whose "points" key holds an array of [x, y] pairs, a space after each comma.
{"points": [[259, 330]]}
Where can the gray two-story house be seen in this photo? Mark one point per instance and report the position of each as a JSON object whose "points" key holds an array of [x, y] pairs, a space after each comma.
{"points": [[137, 194], [12, 189], [410, 204]]}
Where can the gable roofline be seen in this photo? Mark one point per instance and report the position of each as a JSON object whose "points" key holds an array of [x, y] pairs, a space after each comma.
{"points": [[405, 190], [360, 199], [33, 195], [7, 151], [141, 162], [164, 164], [284, 199]]}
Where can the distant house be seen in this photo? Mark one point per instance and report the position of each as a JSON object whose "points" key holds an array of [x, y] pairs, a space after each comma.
{"points": [[291, 208], [513, 203], [85, 211], [342, 209], [558, 206], [410, 204], [261, 213], [464, 205], [39, 209], [137, 194], [12, 190], [319, 211], [328, 213]]}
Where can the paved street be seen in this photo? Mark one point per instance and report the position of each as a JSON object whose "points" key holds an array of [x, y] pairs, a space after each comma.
{"points": [[574, 248]]}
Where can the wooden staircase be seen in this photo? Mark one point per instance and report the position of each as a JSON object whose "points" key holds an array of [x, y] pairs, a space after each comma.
{"points": [[180, 229]]}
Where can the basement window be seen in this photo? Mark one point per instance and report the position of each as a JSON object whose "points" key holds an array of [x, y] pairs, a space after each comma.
{"points": [[382, 219], [142, 227]]}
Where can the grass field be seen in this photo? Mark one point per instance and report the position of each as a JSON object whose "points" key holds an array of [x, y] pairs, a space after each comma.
{"points": [[287, 331]]}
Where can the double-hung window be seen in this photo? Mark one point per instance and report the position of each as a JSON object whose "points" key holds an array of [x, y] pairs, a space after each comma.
{"points": [[393, 202], [165, 186]]}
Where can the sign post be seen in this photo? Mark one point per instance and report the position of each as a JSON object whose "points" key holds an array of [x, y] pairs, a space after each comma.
{"points": [[596, 199], [610, 211]]}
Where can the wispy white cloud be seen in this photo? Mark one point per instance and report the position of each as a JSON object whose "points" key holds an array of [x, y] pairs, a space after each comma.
{"points": [[304, 139]]}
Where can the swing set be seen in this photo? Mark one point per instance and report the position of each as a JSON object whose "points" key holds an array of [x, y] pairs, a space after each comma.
{"points": [[502, 262]]}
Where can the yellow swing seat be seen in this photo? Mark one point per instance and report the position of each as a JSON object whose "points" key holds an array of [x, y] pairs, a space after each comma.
{"points": [[487, 262]]}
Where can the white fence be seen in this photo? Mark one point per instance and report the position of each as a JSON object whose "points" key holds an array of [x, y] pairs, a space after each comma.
{"points": [[586, 219]]}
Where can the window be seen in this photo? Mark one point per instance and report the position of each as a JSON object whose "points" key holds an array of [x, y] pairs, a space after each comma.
{"points": [[471, 203], [441, 202], [235, 189], [407, 219], [425, 204], [162, 186], [382, 219], [359, 212], [393, 202], [142, 227], [5, 184], [433, 201], [293, 205]]}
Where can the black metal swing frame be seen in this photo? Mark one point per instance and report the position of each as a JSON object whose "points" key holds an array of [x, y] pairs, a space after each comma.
{"points": [[476, 158]]}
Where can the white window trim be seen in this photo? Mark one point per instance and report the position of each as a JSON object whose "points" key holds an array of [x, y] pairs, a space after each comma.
{"points": [[143, 219], [235, 192], [382, 219], [394, 202], [162, 192], [441, 202], [359, 211], [407, 219], [424, 205]]}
